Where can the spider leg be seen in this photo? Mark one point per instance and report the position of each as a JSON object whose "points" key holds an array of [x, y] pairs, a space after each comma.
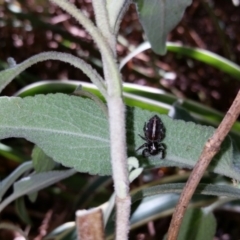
{"points": [[142, 146], [162, 149], [142, 137]]}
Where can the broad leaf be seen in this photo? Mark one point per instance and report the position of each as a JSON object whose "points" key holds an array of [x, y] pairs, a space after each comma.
{"points": [[158, 18], [184, 142], [74, 132], [71, 130]]}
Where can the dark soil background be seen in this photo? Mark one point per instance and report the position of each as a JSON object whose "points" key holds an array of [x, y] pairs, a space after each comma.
{"points": [[32, 26]]}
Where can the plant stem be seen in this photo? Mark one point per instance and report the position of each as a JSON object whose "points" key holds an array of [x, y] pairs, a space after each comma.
{"points": [[102, 21], [116, 10], [106, 52], [210, 149], [116, 111]]}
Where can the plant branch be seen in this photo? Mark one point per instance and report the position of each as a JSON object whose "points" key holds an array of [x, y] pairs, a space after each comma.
{"points": [[102, 21], [210, 149]]}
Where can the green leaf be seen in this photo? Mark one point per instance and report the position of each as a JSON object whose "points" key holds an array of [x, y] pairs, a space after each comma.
{"points": [[10, 179], [202, 55], [185, 142], [178, 112], [11, 154], [71, 130], [22, 211], [33, 196], [158, 18], [134, 95], [207, 57], [197, 225], [155, 207], [203, 189], [74, 132], [35, 182], [41, 162]]}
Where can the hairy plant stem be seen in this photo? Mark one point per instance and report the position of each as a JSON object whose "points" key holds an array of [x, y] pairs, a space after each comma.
{"points": [[116, 112], [102, 22], [116, 10], [106, 52]]}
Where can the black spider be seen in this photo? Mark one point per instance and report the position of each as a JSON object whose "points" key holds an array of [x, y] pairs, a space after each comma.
{"points": [[154, 132]]}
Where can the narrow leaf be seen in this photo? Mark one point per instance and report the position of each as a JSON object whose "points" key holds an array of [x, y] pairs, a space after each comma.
{"points": [[197, 225], [35, 183], [9, 180], [22, 211], [204, 189]]}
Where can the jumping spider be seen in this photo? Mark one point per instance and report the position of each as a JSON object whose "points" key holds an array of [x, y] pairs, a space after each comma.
{"points": [[154, 132]]}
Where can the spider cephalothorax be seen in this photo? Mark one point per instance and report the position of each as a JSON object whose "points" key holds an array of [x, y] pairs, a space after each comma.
{"points": [[154, 132]]}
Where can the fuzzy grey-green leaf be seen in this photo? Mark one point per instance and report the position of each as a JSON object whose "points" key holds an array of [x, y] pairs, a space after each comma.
{"points": [[158, 18], [184, 142], [74, 131], [71, 130]]}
